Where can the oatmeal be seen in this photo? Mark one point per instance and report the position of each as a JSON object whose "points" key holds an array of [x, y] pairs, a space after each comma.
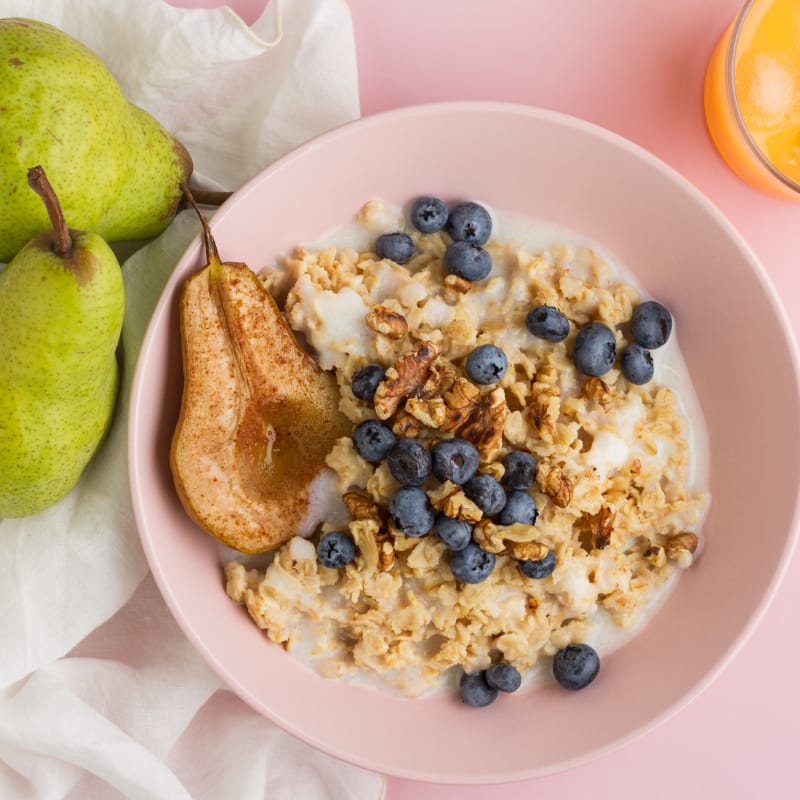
{"points": [[607, 513]]}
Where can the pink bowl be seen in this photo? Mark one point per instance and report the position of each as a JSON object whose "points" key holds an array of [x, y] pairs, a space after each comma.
{"points": [[735, 340]]}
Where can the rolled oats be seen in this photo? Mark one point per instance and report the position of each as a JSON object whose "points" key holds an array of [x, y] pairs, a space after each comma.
{"points": [[612, 482]]}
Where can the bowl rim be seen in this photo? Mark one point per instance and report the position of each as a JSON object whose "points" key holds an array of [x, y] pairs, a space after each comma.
{"points": [[138, 389]]}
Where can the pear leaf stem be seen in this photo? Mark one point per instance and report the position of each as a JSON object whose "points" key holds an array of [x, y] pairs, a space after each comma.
{"points": [[37, 180], [212, 255]]}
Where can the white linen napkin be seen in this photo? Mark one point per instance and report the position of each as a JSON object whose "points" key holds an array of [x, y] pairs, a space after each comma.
{"points": [[101, 695]]}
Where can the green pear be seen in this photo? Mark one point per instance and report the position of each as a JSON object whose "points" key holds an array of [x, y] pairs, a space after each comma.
{"points": [[115, 169], [62, 303]]}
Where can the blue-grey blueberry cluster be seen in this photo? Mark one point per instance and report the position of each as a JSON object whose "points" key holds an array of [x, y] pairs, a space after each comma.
{"points": [[468, 224], [479, 689], [595, 348], [412, 463]]}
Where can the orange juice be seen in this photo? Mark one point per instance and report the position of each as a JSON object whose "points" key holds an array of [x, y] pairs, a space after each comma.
{"points": [[752, 96]]}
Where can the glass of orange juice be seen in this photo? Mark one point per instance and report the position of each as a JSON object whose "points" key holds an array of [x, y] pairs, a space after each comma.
{"points": [[752, 96]]}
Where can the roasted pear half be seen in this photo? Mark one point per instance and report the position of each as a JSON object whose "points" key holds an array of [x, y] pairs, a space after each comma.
{"points": [[258, 415]]}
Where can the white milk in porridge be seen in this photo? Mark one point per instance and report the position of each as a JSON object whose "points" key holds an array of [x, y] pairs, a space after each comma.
{"points": [[620, 467]]}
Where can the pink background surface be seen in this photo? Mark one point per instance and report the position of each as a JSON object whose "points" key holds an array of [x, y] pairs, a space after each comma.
{"points": [[637, 69]]}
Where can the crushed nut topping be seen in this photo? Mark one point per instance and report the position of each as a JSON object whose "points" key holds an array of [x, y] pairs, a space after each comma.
{"points": [[554, 483], [545, 405], [388, 322], [528, 551], [596, 389], [685, 541], [495, 469], [655, 556], [461, 401], [440, 380], [680, 548], [431, 413], [500, 539], [361, 507], [404, 379], [485, 425], [403, 424], [600, 526], [451, 501]]}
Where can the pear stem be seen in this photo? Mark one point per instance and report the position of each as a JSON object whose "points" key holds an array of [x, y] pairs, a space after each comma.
{"points": [[212, 255], [37, 180]]}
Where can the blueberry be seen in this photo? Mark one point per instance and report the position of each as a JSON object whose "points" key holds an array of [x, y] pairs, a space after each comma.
{"points": [[651, 324], [469, 222], [428, 214], [519, 507], [520, 470], [409, 462], [365, 381], [486, 364], [411, 511], [595, 349], [475, 690], [454, 533], [637, 364], [373, 440], [576, 666], [548, 323], [336, 549], [539, 567], [454, 460], [486, 493], [399, 247], [504, 677], [468, 261], [472, 564]]}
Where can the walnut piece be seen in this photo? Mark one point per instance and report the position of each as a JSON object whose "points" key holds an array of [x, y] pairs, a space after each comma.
{"points": [[440, 380], [600, 526], [452, 502], [485, 425], [390, 323], [489, 537], [461, 401], [655, 555], [361, 507], [431, 413], [500, 539], [528, 551], [495, 469], [596, 389], [685, 541], [406, 425], [680, 548], [404, 379], [545, 405], [554, 483]]}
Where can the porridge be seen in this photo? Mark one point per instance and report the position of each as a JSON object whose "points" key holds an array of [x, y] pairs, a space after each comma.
{"points": [[518, 489]]}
